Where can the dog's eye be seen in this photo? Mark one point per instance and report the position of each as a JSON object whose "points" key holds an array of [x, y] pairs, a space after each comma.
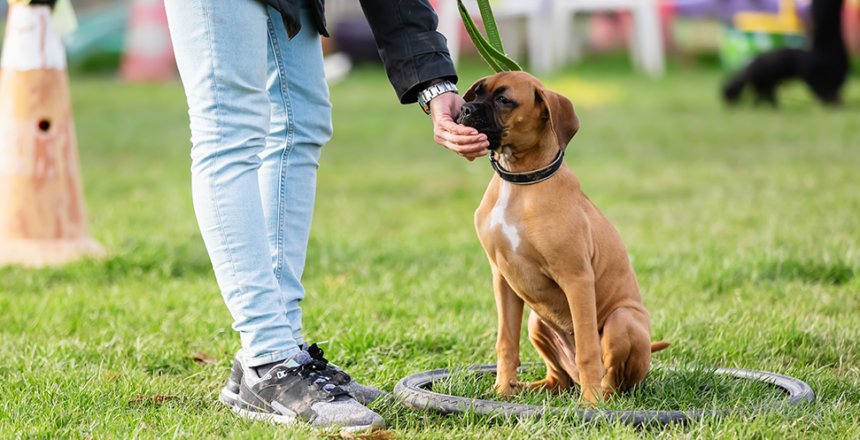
{"points": [[502, 99]]}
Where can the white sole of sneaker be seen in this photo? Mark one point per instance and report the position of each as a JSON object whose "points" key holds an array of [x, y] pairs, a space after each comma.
{"points": [[375, 426], [293, 420], [228, 398], [266, 417]]}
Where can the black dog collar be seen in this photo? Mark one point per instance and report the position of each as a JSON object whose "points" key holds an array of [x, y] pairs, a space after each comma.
{"points": [[528, 177]]}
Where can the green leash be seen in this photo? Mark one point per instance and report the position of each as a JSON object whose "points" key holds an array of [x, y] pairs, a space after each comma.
{"points": [[491, 51]]}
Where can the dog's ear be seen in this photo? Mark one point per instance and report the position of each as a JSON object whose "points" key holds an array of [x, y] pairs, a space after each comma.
{"points": [[469, 96], [559, 112]]}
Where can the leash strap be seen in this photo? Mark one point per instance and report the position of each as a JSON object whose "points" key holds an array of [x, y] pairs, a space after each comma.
{"points": [[528, 177], [491, 51]]}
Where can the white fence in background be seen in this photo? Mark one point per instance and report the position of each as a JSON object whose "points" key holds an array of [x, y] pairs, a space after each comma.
{"points": [[548, 31]]}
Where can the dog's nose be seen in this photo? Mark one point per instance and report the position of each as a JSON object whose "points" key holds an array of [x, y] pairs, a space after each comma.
{"points": [[467, 109]]}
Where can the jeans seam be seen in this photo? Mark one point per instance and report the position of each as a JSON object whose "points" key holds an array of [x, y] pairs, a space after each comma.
{"points": [[284, 162], [212, 186]]}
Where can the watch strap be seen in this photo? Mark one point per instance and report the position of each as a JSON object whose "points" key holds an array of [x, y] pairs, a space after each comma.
{"points": [[426, 95]]}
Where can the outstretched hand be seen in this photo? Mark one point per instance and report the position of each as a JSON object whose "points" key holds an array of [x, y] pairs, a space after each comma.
{"points": [[465, 141]]}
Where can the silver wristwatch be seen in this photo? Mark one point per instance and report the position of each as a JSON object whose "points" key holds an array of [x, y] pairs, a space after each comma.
{"points": [[433, 91]]}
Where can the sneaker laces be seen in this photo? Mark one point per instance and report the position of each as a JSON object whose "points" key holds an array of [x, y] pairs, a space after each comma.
{"points": [[320, 376], [335, 375]]}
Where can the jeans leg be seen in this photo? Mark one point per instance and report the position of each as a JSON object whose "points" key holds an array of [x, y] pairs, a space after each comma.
{"points": [[220, 48], [300, 126]]}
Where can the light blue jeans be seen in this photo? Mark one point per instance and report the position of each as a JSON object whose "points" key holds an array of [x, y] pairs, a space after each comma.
{"points": [[260, 113]]}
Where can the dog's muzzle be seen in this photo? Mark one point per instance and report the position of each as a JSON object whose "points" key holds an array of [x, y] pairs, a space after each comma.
{"points": [[480, 117]]}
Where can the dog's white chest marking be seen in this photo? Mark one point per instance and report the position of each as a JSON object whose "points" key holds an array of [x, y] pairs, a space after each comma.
{"points": [[497, 217]]}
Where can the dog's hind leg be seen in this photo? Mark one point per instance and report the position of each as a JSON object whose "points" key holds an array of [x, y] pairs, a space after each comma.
{"points": [[827, 96], [626, 344], [559, 359]]}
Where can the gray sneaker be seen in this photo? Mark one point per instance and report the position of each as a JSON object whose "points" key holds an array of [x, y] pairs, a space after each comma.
{"points": [[300, 389], [364, 394], [230, 393]]}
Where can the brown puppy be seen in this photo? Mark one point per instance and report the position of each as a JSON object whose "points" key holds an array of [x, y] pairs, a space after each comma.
{"points": [[550, 247]]}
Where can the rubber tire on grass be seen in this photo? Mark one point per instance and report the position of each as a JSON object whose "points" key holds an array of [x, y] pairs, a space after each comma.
{"points": [[413, 392]]}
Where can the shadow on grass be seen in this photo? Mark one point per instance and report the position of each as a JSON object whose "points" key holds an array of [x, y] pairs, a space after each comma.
{"points": [[158, 261], [835, 273], [722, 276]]}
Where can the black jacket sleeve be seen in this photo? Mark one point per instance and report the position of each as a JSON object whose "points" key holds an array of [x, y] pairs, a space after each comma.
{"points": [[413, 52]]}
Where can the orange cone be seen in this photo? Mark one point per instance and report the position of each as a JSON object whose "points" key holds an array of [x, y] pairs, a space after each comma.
{"points": [[148, 53], [42, 212]]}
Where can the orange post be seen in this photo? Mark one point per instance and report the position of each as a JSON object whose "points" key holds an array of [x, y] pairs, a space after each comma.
{"points": [[42, 211]]}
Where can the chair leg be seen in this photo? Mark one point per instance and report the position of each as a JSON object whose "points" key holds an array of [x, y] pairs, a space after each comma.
{"points": [[511, 32], [564, 42], [648, 39], [541, 35], [635, 42]]}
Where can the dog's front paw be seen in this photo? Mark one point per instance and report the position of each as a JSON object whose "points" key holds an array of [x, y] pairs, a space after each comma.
{"points": [[506, 388], [590, 397]]}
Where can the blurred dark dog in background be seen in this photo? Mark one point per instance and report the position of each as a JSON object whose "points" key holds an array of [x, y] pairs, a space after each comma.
{"points": [[824, 67]]}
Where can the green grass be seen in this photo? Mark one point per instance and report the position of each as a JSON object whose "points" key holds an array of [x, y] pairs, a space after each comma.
{"points": [[742, 226]]}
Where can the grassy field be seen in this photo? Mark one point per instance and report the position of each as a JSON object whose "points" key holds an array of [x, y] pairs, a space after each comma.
{"points": [[742, 226]]}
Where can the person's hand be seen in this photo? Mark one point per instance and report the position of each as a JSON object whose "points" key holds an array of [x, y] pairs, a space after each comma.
{"points": [[465, 141]]}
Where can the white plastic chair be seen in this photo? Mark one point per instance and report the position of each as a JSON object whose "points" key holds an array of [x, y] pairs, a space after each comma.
{"points": [[548, 28], [646, 44]]}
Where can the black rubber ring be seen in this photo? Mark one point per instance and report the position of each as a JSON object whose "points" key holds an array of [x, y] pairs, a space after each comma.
{"points": [[412, 392]]}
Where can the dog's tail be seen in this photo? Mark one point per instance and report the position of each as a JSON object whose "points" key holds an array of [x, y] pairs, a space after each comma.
{"points": [[732, 90], [659, 345]]}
